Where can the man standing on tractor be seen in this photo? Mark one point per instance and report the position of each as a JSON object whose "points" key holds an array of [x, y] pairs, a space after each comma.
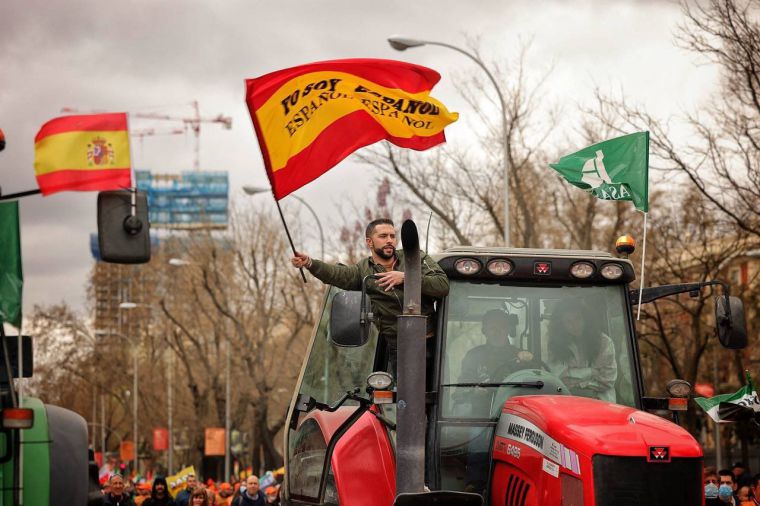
{"points": [[385, 265]]}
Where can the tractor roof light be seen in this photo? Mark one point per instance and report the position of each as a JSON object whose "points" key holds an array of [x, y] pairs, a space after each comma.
{"points": [[467, 266], [611, 271], [18, 418], [678, 388], [625, 245], [499, 267], [380, 380], [582, 270]]}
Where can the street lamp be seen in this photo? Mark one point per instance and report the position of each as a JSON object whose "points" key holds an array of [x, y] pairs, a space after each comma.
{"points": [[255, 190], [402, 44], [178, 262], [133, 343]]}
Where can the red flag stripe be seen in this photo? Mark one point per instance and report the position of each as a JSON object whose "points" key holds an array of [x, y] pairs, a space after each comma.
{"points": [[87, 122], [382, 72], [299, 171], [85, 180]]}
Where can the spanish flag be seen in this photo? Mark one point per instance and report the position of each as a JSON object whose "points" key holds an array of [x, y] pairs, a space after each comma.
{"points": [[309, 118], [83, 153]]}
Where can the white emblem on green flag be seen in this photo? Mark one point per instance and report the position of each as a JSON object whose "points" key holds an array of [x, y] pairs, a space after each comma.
{"points": [[616, 169], [742, 405]]}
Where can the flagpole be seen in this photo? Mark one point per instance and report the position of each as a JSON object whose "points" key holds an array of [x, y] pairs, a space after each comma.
{"points": [[132, 190], [290, 239], [643, 255]]}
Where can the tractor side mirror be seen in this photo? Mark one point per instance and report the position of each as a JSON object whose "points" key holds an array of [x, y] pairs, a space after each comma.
{"points": [[348, 327], [123, 236], [732, 326]]}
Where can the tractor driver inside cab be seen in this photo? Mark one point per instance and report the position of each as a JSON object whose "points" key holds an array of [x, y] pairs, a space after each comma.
{"points": [[497, 358]]}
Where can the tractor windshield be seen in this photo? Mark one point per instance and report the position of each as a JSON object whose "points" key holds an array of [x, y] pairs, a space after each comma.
{"points": [[573, 338]]}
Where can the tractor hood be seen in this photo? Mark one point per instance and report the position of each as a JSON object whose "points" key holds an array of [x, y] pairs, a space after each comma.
{"points": [[553, 424]]}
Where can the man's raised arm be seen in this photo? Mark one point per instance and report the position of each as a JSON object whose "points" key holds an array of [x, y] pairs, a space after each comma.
{"points": [[346, 277]]}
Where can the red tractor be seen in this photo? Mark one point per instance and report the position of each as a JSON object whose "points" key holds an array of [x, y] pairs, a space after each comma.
{"points": [[468, 426]]}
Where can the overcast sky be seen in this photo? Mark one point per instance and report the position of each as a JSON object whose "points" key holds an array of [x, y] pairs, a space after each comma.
{"points": [[154, 56]]}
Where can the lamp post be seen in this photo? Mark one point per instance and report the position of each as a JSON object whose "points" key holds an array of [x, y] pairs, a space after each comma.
{"points": [[255, 190], [402, 44], [178, 262], [133, 343]]}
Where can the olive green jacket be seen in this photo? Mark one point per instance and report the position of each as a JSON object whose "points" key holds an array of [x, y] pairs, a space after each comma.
{"points": [[386, 305]]}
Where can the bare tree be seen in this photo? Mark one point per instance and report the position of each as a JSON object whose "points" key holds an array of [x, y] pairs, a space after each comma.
{"points": [[464, 190]]}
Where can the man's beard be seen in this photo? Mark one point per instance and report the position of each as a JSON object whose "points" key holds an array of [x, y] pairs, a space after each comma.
{"points": [[382, 254]]}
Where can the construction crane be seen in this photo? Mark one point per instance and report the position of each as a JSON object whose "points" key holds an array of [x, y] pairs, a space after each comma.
{"points": [[192, 123]]}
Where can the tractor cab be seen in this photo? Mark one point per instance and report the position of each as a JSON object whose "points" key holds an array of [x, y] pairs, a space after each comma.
{"points": [[522, 322], [516, 322]]}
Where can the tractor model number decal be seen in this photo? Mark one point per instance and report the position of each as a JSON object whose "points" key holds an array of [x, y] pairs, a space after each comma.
{"points": [[521, 430]]}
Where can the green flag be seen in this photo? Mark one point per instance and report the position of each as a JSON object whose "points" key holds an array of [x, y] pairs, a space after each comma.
{"points": [[742, 405], [11, 279], [616, 169]]}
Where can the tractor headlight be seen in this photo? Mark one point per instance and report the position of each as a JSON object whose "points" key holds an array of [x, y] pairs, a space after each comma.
{"points": [[678, 388], [467, 266], [582, 270], [380, 380], [499, 267], [611, 271]]}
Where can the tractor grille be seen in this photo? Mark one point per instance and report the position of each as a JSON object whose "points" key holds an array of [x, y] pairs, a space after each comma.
{"points": [[517, 491], [632, 481]]}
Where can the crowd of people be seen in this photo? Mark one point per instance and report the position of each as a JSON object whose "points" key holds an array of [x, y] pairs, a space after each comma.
{"points": [[120, 492], [736, 486]]}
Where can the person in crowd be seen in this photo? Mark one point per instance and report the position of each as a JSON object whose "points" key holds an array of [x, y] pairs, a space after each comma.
{"points": [[252, 496], [755, 490], [211, 495], [742, 476], [385, 265], [159, 494], [742, 496], [117, 496], [143, 493], [225, 494], [727, 487], [273, 494], [198, 497], [580, 354], [183, 497]]}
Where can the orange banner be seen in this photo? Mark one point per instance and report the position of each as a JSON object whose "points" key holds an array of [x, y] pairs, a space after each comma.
{"points": [[127, 451], [83, 153], [311, 117], [214, 444], [160, 439]]}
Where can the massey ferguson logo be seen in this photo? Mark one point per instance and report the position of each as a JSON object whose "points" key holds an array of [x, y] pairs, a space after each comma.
{"points": [[542, 268], [659, 454]]}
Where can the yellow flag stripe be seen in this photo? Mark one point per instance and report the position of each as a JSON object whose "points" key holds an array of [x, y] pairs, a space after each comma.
{"points": [[297, 113], [82, 150]]}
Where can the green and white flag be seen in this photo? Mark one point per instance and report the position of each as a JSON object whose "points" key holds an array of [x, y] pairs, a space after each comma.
{"points": [[616, 169], [742, 405], [11, 279]]}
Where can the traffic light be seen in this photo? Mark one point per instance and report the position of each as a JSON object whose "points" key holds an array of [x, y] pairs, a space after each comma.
{"points": [[123, 227]]}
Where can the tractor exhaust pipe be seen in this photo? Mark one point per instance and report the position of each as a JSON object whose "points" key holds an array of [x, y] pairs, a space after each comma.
{"points": [[410, 432]]}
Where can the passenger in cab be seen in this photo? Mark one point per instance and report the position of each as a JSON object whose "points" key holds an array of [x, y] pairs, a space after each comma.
{"points": [[580, 354]]}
